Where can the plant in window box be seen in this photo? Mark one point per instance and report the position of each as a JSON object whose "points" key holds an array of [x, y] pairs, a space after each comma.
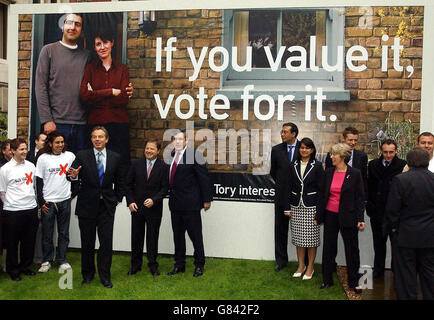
{"points": [[403, 132], [3, 127]]}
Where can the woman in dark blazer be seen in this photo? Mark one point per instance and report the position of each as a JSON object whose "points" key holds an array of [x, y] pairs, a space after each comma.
{"points": [[342, 207], [306, 175]]}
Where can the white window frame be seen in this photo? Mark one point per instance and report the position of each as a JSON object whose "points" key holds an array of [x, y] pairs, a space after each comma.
{"points": [[266, 80]]}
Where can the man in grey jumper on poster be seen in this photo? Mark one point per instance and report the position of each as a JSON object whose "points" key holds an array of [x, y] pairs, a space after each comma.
{"points": [[59, 73], [57, 87]]}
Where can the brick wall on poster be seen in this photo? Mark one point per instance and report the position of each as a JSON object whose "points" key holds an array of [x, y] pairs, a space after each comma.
{"points": [[373, 93], [24, 62]]}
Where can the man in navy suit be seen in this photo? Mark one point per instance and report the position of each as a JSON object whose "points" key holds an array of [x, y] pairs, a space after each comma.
{"points": [[380, 174], [147, 185], [190, 191], [409, 217], [282, 155], [101, 190]]}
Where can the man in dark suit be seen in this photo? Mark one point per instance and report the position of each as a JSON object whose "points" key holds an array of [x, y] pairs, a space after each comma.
{"points": [[31, 156], [281, 157], [6, 155], [39, 144], [380, 173], [147, 185], [410, 218], [190, 191], [101, 189], [358, 160]]}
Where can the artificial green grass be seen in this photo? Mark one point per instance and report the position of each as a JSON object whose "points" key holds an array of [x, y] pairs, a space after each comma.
{"points": [[224, 279]]}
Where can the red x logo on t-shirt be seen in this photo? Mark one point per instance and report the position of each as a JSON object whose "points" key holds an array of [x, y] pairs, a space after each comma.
{"points": [[63, 171], [29, 178]]}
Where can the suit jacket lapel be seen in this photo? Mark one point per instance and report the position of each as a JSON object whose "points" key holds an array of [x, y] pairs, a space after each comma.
{"points": [[108, 165], [329, 178], [284, 151], [92, 162], [347, 179], [181, 161], [356, 159], [144, 169], [297, 170], [309, 168]]}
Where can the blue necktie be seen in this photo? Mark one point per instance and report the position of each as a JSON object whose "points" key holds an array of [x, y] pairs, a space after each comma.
{"points": [[100, 167], [290, 152]]}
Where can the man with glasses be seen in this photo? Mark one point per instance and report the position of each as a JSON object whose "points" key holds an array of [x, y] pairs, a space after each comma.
{"points": [[58, 77], [282, 155]]}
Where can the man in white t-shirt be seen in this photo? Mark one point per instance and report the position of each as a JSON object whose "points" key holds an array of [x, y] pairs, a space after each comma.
{"points": [[54, 197], [20, 210]]}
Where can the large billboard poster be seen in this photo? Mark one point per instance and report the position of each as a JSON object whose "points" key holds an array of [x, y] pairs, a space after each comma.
{"points": [[231, 77]]}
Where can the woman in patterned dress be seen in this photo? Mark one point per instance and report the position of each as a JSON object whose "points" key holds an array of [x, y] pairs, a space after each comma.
{"points": [[306, 175]]}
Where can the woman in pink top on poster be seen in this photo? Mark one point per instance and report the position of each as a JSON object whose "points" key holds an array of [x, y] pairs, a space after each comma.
{"points": [[341, 210]]}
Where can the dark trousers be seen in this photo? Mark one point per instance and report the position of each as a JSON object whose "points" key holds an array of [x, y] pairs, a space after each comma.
{"points": [[61, 210], [408, 263], [75, 136], [20, 228], [281, 228], [191, 222], [1, 229], [103, 224], [141, 224], [330, 249], [380, 243]]}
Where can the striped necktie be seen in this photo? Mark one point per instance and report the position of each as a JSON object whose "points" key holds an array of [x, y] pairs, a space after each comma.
{"points": [[100, 167], [149, 169], [290, 152]]}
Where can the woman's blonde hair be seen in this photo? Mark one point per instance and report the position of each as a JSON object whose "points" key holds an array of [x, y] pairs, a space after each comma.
{"points": [[343, 150]]}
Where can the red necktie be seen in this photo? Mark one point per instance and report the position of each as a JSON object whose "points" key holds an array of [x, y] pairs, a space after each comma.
{"points": [[172, 172]]}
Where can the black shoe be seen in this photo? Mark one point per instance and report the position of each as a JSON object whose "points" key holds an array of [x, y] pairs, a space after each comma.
{"points": [[277, 268], [325, 286], [86, 280], [176, 270], [198, 271], [133, 271], [377, 274], [28, 272], [107, 284], [15, 276], [154, 272]]}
